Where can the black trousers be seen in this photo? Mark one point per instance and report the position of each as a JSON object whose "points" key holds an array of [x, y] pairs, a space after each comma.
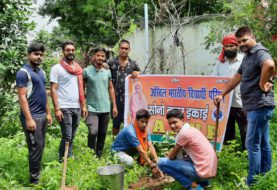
{"points": [[35, 142], [97, 129], [239, 116], [120, 117]]}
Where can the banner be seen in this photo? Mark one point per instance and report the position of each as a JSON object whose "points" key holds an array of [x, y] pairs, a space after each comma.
{"points": [[193, 95]]}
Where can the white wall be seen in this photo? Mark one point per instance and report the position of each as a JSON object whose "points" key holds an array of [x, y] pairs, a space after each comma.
{"points": [[197, 59]]}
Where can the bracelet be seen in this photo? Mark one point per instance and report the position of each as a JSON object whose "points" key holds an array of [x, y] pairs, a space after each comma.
{"points": [[57, 109]]}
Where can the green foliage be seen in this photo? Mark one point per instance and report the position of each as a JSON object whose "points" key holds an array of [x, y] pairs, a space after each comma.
{"points": [[262, 20], [13, 162], [106, 21], [194, 7], [82, 169], [53, 40], [268, 181], [14, 26], [10, 124], [100, 22], [232, 167]]}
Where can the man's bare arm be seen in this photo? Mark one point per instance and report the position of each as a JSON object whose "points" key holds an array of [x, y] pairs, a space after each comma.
{"points": [[54, 96], [112, 97], [233, 82], [266, 73], [24, 105], [173, 153]]}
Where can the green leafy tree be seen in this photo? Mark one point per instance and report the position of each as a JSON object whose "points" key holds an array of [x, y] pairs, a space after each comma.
{"points": [[260, 15], [93, 20], [14, 26], [106, 21]]}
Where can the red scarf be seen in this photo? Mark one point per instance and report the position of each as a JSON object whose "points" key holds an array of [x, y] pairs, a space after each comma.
{"points": [[143, 140], [229, 39], [77, 70]]}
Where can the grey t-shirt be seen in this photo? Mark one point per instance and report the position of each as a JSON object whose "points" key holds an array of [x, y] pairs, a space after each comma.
{"points": [[68, 93], [253, 97]]}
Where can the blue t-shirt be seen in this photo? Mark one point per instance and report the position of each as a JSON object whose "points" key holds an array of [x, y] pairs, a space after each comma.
{"points": [[127, 139], [37, 100]]}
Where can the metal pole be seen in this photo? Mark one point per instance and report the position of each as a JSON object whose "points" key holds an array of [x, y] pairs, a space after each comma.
{"points": [[146, 34]]}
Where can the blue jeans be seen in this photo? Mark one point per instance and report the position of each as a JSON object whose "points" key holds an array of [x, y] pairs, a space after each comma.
{"points": [[181, 170], [257, 142]]}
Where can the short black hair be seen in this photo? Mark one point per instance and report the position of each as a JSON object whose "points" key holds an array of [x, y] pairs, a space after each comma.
{"points": [[35, 46], [242, 31], [64, 44], [124, 42], [175, 113], [99, 49], [142, 114]]}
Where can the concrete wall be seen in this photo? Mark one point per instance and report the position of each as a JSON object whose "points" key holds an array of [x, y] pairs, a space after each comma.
{"points": [[191, 58]]}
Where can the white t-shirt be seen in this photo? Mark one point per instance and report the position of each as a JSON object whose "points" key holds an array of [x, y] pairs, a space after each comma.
{"points": [[228, 68], [68, 93]]}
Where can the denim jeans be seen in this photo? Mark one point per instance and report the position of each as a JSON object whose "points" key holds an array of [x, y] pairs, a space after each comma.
{"points": [[257, 142], [181, 170], [69, 125]]}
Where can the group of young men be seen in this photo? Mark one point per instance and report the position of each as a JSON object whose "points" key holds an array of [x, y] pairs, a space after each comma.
{"points": [[104, 92], [252, 107]]}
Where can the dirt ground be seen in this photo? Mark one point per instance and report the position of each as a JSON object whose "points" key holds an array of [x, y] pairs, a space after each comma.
{"points": [[151, 183]]}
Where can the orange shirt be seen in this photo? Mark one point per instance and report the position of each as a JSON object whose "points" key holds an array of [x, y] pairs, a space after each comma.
{"points": [[199, 150]]}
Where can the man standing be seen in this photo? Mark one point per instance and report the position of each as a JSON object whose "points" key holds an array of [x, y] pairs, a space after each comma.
{"points": [[67, 95], [135, 140], [35, 112], [255, 75], [202, 162], [99, 93], [121, 67], [229, 62]]}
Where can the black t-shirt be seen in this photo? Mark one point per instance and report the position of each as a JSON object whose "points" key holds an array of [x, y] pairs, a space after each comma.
{"points": [[119, 75]]}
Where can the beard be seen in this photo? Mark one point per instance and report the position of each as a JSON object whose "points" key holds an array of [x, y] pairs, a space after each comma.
{"points": [[70, 57], [231, 54]]}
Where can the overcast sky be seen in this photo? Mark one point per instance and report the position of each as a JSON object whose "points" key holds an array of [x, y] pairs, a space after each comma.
{"points": [[41, 22]]}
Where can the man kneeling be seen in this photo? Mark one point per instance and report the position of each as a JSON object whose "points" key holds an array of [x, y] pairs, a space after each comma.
{"points": [[202, 162], [135, 140]]}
